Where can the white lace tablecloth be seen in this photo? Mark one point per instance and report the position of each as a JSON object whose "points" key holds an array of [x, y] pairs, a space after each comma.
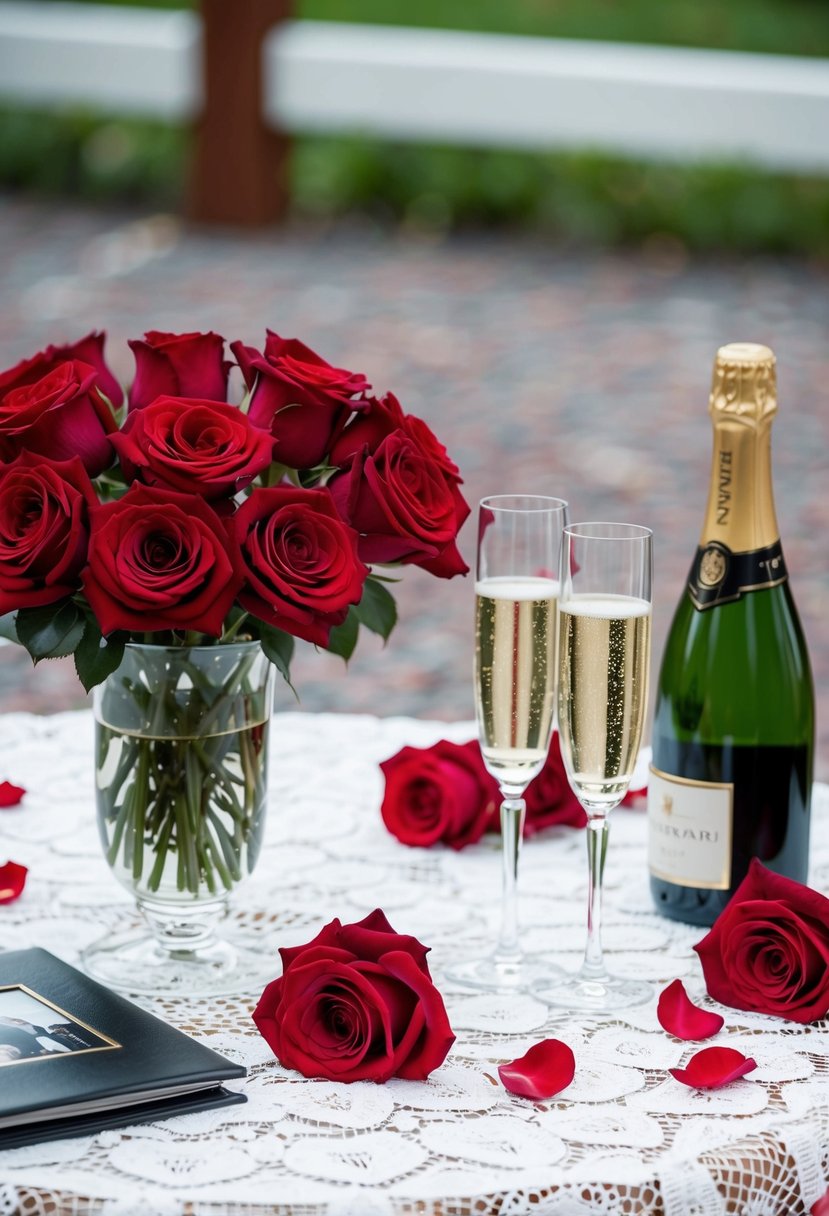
{"points": [[624, 1138]]}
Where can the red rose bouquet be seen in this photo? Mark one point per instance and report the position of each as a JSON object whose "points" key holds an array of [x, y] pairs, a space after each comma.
{"points": [[185, 519], [169, 535]]}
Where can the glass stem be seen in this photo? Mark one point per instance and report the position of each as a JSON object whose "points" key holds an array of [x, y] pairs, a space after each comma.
{"points": [[513, 812], [593, 967]]}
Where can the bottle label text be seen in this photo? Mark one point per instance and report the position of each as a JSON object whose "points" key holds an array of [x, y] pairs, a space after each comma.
{"points": [[690, 830]]}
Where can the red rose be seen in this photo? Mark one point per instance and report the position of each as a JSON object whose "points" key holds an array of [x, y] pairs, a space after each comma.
{"points": [[768, 951], [404, 507], [198, 447], [821, 1206], [440, 793], [87, 350], [178, 365], [303, 400], [549, 798], [60, 416], [44, 530], [160, 560], [381, 417], [301, 564], [356, 1004]]}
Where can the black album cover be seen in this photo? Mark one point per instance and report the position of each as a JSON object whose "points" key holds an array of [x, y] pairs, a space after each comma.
{"points": [[77, 1058]]}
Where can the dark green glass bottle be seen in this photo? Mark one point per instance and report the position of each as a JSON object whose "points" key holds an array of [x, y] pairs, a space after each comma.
{"points": [[733, 733]]}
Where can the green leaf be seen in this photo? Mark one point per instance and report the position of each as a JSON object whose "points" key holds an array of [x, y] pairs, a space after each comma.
{"points": [[343, 638], [320, 475], [96, 657], [51, 631], [279, 648], [377, 609], [8, 627]]}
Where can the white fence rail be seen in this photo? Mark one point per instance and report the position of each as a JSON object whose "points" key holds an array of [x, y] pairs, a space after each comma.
{"points": [[124, 60], [446, 86]]}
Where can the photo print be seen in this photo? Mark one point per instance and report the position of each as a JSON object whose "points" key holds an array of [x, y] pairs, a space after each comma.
{"points": [[33, 1028]]}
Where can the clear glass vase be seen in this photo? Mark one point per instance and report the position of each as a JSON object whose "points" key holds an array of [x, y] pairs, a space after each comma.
{"points": [[181, 738]]}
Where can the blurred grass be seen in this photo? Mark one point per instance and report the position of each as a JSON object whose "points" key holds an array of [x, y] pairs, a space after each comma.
{"points": [[792, 27], [574, 198]]}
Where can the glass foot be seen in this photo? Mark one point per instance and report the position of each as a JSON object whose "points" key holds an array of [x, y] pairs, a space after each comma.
{"points": [[135, 962], [604, 994], [492, 974]]}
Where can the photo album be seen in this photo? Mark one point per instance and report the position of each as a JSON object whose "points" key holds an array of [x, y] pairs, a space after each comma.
{"points": [[76, 1058]]}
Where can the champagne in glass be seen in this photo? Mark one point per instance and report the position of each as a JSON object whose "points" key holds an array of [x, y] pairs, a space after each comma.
{"points": [[516, 622], [604, 656], [605, 643]]}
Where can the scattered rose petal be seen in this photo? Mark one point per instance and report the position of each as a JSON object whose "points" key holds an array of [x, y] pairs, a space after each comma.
{"points": [[12, 881], [633, 797], [821, 1206], [681, 1017], [713, 1067], [10, 795], [546, 1069]]}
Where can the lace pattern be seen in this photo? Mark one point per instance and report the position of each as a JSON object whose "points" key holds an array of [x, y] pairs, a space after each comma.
{"points": [[624, 1138]]}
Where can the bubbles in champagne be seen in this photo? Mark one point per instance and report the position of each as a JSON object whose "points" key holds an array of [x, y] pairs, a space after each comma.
{"points": [[603, 692], [515, 668]]}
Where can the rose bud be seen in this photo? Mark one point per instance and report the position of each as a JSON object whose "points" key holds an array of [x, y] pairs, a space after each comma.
{"points": [[195, 446], [160, 560], [437, 794], [86, 350], [302, 570], [549, 797], [403, 506], [178, 365], [356, 1004], [59, 416], [45, 507], [300, 398], [768, 951]]}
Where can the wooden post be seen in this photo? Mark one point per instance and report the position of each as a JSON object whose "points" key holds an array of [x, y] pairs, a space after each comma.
{"points": [[240, 166]]}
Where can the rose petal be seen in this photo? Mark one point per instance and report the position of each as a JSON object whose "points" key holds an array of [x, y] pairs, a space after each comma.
{"points": [[821, 1206], [633, 797], [546, 1069], [713, 1067], [10, 795], [681, 1017], [12, 881]]}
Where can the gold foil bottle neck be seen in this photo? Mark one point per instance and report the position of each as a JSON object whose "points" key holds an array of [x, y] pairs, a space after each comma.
{"points": [[744, 387]]}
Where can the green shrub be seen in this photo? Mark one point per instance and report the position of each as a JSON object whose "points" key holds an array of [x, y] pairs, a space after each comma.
{"points": [[574, 198]]}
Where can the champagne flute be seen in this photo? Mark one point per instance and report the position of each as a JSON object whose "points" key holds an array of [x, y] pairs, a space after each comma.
{"points": [[516, 623], [604, 655]]}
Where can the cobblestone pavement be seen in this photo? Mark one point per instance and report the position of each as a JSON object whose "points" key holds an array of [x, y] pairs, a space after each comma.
{"points": [[584, 376]]}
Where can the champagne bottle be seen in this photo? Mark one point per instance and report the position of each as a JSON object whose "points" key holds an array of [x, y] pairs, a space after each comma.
{"points": [[733, 730]]}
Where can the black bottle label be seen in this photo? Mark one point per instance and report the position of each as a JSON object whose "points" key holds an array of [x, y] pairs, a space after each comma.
{"points": [[719, 576]]}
